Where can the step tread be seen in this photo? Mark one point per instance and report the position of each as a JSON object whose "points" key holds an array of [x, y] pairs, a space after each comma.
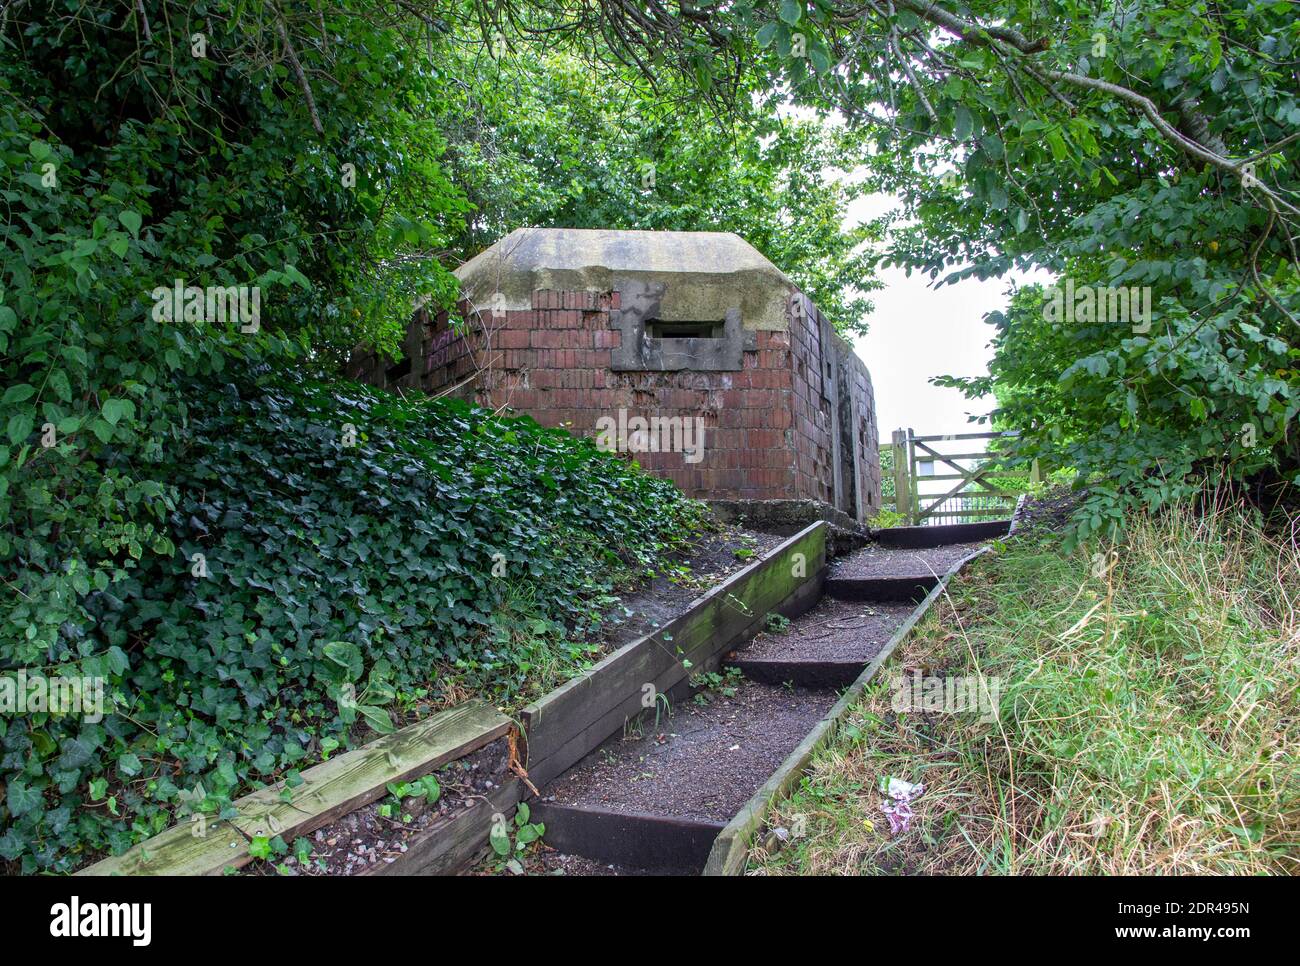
{"points": [[832, 631], [702, 761], [876, 561], [567, 863]]}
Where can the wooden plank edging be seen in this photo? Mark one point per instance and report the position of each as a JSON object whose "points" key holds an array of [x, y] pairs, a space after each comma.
{"points": [[449, 846], [938, 534], [732, 844], [572, 720], [329, 790], [637, 840]]}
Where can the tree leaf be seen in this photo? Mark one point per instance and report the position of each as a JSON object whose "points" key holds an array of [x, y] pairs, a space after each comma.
{"points": [[20, 427], [131, 221], [963, 123]]}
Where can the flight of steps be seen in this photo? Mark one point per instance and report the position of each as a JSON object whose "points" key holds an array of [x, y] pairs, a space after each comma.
{"points": [[651, 801]]}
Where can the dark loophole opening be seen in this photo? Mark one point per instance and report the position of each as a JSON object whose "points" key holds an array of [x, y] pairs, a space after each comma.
{"points": [[398, 370], [659, 329]]}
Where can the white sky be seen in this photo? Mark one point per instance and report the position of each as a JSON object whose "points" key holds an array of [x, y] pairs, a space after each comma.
{"points": [[918, 332]]}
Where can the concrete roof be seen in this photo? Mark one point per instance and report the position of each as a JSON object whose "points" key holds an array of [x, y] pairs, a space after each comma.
{"points": [[703, 273]]}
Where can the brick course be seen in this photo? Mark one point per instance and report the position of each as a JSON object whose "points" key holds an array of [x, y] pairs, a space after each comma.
{"points": [[768, 427]]}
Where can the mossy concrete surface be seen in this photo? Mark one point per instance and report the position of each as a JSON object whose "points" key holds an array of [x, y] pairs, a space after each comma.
{"points": [[703, 274]]}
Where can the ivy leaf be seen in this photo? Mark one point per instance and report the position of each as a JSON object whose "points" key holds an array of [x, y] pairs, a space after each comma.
{"points": [[12, 844], [791, 11], [117, 660], [21, 799], [129, 765], [76, 752]]}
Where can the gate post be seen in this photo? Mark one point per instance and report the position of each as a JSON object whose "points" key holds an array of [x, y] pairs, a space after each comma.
{"points": [[902, 486]]}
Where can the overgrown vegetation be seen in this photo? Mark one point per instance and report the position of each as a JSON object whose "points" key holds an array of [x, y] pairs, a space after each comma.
{"points": [[1148, 712], [339, 159], [342, 557], [300, 153]]}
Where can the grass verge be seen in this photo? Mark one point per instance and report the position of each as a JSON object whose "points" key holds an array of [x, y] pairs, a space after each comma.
{"points": [[1147, 718]]}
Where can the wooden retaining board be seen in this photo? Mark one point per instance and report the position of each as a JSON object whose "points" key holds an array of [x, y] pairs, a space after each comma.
{"points": [[937, 535], [732, 845], [653, 843], [800, 673], [881, 588], [570, 722], [329, 790], [446, 848]]}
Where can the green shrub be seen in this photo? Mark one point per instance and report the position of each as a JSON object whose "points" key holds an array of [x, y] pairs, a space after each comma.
{"points": [[445, 548]]}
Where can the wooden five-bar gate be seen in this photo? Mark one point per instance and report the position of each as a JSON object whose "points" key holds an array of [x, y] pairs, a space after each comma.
{"points": [[978, 490]]}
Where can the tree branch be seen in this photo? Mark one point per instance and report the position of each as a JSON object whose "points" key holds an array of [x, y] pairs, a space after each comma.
{"points": [[298, 72]]}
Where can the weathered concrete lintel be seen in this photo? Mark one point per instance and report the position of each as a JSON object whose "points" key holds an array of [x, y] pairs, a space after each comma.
{"points": [[639, 352], [705, 273]]}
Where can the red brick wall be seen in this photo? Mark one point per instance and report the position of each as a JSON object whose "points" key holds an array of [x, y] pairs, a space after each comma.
{"points": [[812, 410], [552, 362], [766, 427]]}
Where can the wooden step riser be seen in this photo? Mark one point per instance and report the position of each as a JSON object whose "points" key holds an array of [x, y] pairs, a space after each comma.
{"points": [[801, 674], [656, 843], [916, 538], [881, 589]]}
